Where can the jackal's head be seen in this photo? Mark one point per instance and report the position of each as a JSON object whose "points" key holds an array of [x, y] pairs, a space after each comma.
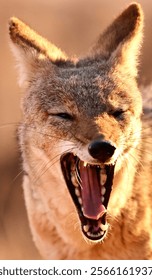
{"points": [[87, 112]]}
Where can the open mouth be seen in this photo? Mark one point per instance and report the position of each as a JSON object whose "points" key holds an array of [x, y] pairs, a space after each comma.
{"points": [[90, 187]]}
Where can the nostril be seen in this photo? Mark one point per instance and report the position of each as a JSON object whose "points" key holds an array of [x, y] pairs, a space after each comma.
{"points": [[101, 150]]}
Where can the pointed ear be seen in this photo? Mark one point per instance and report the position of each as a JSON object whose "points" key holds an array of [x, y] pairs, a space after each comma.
{"points": [[121, 41], [31, 50]]}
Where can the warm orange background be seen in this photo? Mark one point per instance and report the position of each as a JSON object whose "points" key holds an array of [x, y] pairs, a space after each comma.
{"points": [[73, 25]]}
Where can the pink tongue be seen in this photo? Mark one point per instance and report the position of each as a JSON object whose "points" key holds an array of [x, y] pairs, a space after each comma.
{"points": [[91, 192]]}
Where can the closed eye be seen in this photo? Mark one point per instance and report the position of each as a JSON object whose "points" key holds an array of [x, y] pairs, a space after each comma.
{"points": [[65, 116], [117, 113]]}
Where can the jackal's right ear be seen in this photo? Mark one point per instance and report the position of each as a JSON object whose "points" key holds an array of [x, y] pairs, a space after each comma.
{"points": [[31, 50]]}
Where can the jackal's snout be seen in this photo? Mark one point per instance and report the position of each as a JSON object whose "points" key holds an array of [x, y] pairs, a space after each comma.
{"points": [[101, 150]]}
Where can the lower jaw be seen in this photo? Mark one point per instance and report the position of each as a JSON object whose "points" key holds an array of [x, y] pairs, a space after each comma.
{"points": [[94, 237]]}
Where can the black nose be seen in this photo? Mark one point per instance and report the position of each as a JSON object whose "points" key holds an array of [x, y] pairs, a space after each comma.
{"points": [[101, 150]]}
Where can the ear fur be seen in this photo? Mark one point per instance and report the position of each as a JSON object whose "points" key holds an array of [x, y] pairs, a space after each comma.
{"points": [[31, 50], [121, 41]]}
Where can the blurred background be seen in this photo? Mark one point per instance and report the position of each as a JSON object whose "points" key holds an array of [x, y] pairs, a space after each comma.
{"points": [[73, 25]]}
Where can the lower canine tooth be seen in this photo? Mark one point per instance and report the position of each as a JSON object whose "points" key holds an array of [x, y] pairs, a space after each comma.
{"points": [[86, 228], [102, 199], [104, 227]]}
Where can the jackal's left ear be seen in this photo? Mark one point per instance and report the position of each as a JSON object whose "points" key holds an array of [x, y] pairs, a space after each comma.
{"points": [[31, 50], [121, 41]]}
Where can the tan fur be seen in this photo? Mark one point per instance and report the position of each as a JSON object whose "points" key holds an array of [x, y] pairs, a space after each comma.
{"points": [[91, 89]]}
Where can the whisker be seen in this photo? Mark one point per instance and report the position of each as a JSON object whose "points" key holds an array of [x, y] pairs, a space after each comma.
{"points": [[78, 178], [4, 125], [77, 172], [16, 177], [144, 150], [147, 142], [50, 163], [137, 160], [126, 161]]}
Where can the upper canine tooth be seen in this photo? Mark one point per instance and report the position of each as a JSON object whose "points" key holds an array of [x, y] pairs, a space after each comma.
{"points": [[103, 179], [85, 164]]}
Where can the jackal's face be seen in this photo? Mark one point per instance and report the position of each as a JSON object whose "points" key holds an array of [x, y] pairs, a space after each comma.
{"points": [[87, 112]]}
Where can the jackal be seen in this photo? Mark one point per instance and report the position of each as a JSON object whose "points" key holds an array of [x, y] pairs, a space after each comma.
{"points": [[84, 141]]}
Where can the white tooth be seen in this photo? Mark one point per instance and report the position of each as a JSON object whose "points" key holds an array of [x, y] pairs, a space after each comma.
{"points": [[95, 234], [103, 179], [90, 234], [103, 190], [77, 192], [102, 199], [104, 227], [86, 228], [85, 164], [80, 200], [74, 180]]}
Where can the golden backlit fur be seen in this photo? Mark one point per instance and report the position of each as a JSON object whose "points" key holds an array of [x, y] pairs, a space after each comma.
{"points": [[92, 89]]}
